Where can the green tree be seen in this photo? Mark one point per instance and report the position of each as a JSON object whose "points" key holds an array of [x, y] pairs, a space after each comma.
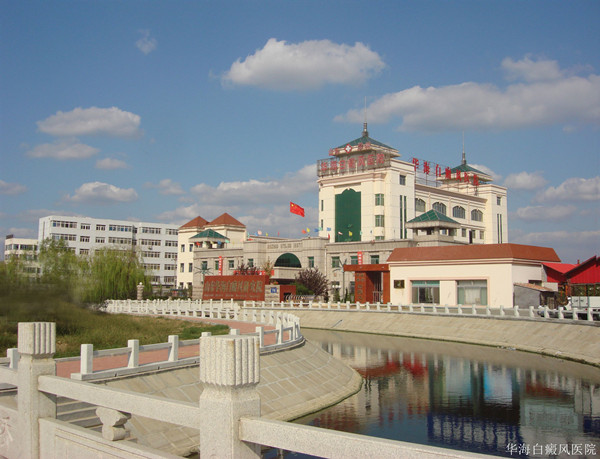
{"points": [[59, 266], [111, 274]]}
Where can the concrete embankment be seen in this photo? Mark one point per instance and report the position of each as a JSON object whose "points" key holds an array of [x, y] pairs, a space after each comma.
{"points": [[293, 383], [574, 341]]}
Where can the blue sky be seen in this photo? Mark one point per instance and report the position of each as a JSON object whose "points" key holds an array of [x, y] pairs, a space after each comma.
{"points": [[162, 111]]}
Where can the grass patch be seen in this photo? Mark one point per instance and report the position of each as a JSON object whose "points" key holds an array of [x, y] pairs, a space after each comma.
{"points": [[76, 325]]}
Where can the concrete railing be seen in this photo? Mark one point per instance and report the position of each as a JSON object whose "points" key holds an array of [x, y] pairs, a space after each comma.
{"points": [[227, 414], [516, 312]]}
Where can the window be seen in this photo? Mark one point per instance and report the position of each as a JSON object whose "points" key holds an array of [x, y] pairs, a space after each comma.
{"points": [[170, 244], [183, 247], [231, 264], [311, 262], [85, 226], [66, 237], [499, 200], [464, 232], [322, 205], [62, 224], [250, 262], [481, 234], [190, 267], [402, 180], [191, 247], [181, 267], [152, 242], [419, 205], [379, 238], [216, 265], [204, 265], [379, 220], [477, 215], [439, 207], [84, 239], [84, 251], [374, 259], [426, 292], [472, 292], [353, 259], [100, 227], [458, 212], [122, 228], [171, 232], [99, 240], [119, 240], [148, 254], [379, 199], [149, 230], [335, 262]]}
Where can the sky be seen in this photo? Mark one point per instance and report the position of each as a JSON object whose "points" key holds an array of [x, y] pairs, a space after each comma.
{"points": [[163, 111]]}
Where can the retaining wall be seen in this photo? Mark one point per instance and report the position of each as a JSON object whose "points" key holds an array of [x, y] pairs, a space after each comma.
{"points": [[579, 341]]}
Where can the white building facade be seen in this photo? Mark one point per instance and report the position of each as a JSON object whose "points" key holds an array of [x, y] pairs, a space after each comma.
{"points": [[366, 193], [156, 242]]}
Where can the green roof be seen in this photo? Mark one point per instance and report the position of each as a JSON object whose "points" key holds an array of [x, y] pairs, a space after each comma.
{"points": [[432, 216], [209, 234], [466, 168], [366, 139]]}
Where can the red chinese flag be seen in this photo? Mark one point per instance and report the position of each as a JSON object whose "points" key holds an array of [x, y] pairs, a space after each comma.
{"points": [[296, 209]]}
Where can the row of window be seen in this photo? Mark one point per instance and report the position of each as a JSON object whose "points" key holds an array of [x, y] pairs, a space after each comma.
{"points": [[468, 292], [124, 228], [336, 262], [457, 211]]}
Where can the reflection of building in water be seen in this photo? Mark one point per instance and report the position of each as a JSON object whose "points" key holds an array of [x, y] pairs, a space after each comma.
{"points": [[474, 405], [458, 403]]}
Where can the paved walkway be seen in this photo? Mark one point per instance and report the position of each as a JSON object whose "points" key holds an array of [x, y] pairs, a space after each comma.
{"points": [[64, 369]]}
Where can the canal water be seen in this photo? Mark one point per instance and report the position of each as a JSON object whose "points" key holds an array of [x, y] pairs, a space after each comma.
{"points": [[471, 398]]}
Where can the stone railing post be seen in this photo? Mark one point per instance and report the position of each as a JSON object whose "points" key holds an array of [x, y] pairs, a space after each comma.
{"points": [[229, 372], [37, 345], [174, 349]]}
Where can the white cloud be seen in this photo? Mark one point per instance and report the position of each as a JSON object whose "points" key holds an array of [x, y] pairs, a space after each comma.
{"points": [[11, 189], [479, 106], [112, 121], [101, 193], [166, 187], [529, 70], [63, 150], [488, 171], [544, 213], [258, 191], [572, 189], [111, 164], [307, 65], [146, 44], [525, 181], [259, 204]]}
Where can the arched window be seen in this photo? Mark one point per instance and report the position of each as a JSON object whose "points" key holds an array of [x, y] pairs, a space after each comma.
{"points": [[458, 212], [477, 215], [288, 260], [419, 205], [439, 207]]}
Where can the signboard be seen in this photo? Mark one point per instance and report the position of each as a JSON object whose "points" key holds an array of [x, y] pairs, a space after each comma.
{"points": [[352, 163], [430, 169], [242, 287], [360, 258]]}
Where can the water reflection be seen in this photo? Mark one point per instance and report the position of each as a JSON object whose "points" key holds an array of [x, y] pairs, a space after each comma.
{"points": [[472, 398]]}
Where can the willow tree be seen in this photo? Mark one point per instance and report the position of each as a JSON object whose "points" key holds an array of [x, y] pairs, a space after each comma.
{"points": [[112, 274]]}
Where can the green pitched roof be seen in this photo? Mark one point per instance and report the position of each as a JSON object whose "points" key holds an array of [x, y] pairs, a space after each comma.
{"points": [[432, 216], [209, 234], [466, 168], [366, 139]]}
